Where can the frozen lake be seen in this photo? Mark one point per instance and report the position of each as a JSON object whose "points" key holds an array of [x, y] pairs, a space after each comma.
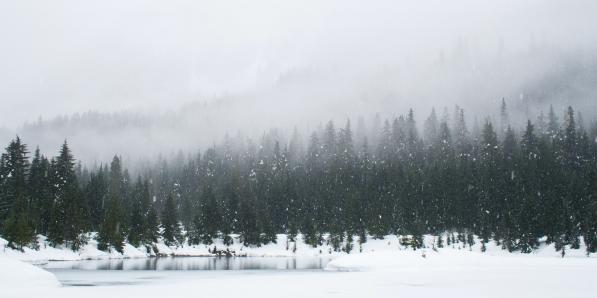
{"points": [[164, 269], [398, 273]]}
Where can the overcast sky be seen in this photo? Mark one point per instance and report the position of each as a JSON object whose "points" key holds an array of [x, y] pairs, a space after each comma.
{"points": [[60, 57]]}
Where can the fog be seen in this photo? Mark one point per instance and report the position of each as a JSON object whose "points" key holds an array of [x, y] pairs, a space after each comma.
{"points": [[160, 76]]}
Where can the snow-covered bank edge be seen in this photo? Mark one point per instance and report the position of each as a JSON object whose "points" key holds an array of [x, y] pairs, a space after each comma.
{"points": [[282, 248], [409, 260], [45, 252], [18, 274]]}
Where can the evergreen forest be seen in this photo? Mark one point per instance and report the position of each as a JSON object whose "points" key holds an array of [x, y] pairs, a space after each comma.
{"points": [[516, 185]]}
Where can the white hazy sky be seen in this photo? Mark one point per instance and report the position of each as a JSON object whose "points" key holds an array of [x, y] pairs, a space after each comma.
{"points": [[60, 57]]}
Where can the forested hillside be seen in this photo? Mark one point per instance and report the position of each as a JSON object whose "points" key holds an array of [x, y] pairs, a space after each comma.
{"points": [[515, 185]]}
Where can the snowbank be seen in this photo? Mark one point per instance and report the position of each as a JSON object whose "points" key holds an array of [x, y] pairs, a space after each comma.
{"points": [[378, 261], [17, 274], [449, 258]]}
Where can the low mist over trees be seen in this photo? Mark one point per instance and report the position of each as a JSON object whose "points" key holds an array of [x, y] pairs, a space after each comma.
{"points": [[515, 185]]}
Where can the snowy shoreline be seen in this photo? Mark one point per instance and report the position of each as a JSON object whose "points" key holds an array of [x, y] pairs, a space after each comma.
{"points": [[282, 248], [89, 251]]}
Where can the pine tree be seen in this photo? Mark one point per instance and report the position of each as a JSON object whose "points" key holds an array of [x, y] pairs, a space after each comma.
{"points": [[171, 232], [508, 190], [139, 211], [249, 231], [112, 232], [590, 219], [40, 192], [313, 209], [541, 124], [57, 213], [15, 206], [152, 232], [18, 228], [529, 201], [412, 138], [504, 118], [553, 126], [570, 142], [460, 131], [489, 195], [571, 162], [68, 201], [431, 130], [96, 192], [14, 166], [210, 216]]}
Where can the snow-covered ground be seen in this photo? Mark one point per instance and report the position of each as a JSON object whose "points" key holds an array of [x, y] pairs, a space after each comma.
{"points": [[283, 248], [17, 274], [383, 269], [383, 274]]}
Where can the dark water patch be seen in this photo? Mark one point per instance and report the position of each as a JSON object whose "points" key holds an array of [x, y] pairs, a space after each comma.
{"points": [[131, 272], [195, 263]]}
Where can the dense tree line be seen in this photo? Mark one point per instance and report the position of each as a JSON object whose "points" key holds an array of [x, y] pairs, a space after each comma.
{"points": [[513, 186]]}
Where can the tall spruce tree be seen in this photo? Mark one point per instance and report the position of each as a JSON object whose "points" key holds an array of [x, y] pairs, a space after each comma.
{"points": [[139, 210], [96, 192], [66, 190], [590, 219], [15, 211], [67, 218], [40, 192], [488, 211], [14, 167], [171, 232], [112, 232]]}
